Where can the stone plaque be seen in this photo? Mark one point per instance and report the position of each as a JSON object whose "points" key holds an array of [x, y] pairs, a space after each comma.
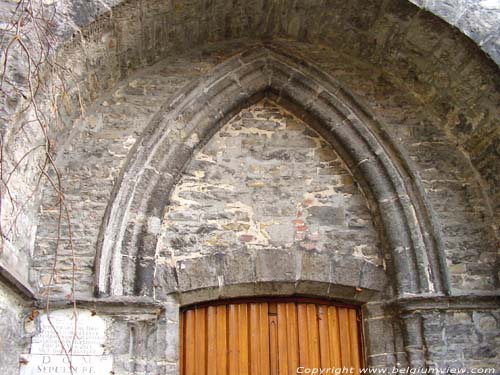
{"points": [[88, 339], [83, 336]]}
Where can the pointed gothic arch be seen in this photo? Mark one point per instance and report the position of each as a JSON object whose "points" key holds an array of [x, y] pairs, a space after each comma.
{"points": [[125, 261]]}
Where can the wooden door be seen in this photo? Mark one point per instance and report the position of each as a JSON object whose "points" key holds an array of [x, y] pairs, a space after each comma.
{"points": [[268, 338]]}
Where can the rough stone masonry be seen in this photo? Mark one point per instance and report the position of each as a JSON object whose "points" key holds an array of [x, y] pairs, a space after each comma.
{"points": [[268, 202]]}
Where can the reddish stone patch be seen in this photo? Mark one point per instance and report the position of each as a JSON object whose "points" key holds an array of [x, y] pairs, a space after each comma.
{"points": [[246, 238]]}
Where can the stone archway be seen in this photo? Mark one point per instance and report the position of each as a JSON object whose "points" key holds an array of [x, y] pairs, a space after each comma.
{"points": [[192, 116]]}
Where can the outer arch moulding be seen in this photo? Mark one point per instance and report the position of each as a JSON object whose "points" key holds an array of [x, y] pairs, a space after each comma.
{"points": [[189, 119]]}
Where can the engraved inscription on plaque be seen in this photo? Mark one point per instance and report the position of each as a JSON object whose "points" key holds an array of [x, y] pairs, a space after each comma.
{"points": [[35, 364], [77, 341], [88, 339]]}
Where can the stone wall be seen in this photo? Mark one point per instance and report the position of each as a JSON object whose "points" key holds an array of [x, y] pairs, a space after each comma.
{"points": [[432, 94], [445, 333], [102, 138], [476, 19], [459, 338], [107, 133], [14, 338], [266, 182], [454, 79], [267, 187]]}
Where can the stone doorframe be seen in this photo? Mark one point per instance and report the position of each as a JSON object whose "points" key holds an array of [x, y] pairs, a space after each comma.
{"points": [[392, 329], [125, 261]]}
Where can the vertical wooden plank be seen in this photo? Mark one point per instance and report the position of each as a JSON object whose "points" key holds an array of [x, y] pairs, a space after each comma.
{"points": [[182, 338], [345, 342], [265, 363], [333, 334], [211, 340], [233, 342], [324, 338], [273, 345], [243, 338], [354, 340], [282, 340], [190, 345], [221, 343], [312, 321], [201, 341], [259, 339], [293, 337], [255, 353], [303, 335]]}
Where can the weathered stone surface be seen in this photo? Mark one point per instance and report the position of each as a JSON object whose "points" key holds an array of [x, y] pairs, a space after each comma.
{"points": [[462, 338], [104, 140], [457, 199], [264, 181], [449, 79], [434, 92], [13, 340]]}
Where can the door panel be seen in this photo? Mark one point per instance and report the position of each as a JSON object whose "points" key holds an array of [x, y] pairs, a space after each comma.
{"points": [[268, 338]]}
